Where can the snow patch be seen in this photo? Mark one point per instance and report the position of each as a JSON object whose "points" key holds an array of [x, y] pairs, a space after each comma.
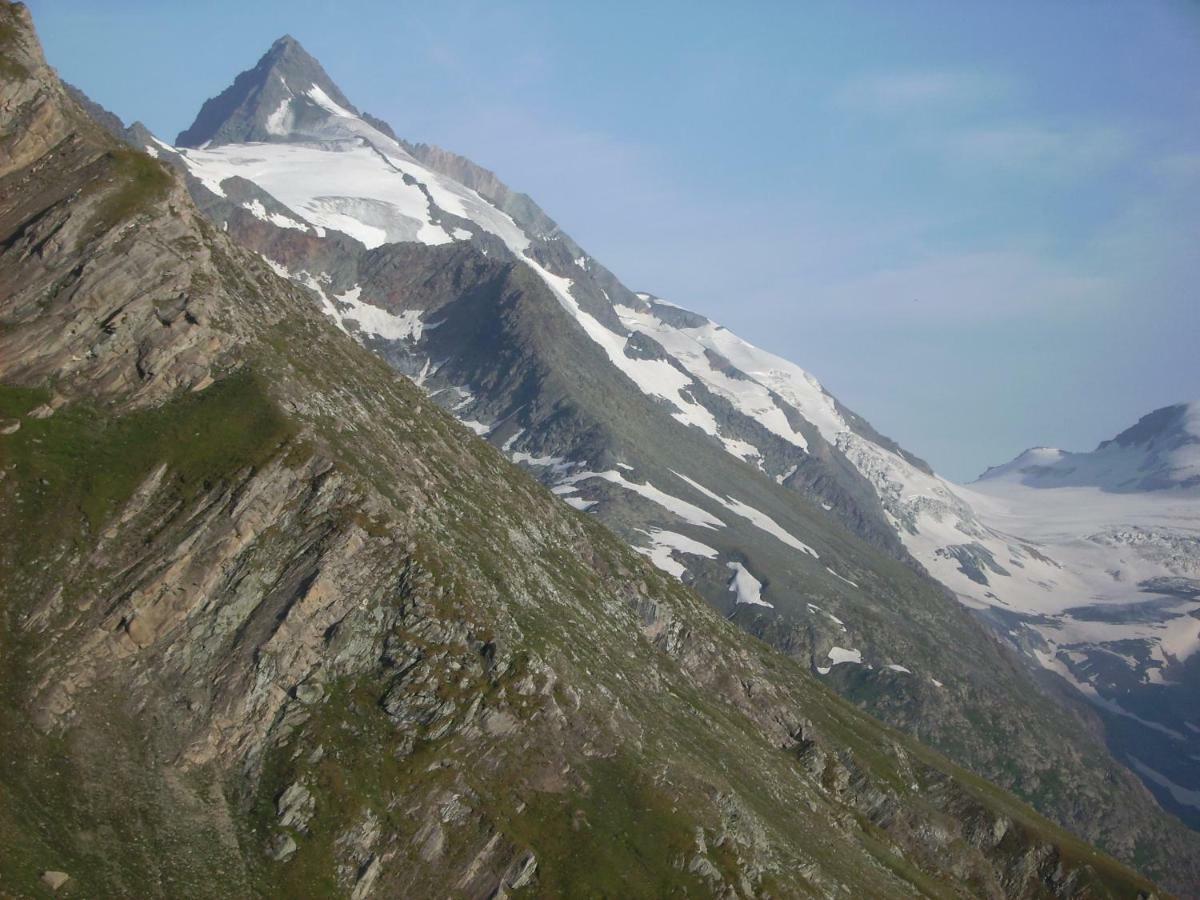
{"points": [[347, 186], [839, 655], [759, 519], [747, 588], [556, 464], [280, 121], [812, 607], [1181, 795], [665, 543], [653, 377], [842, 577], [256, 208], [693, 515], [403, 326]]}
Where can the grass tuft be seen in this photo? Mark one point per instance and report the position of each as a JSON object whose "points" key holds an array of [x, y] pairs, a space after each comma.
{"points": [[140, 182]]}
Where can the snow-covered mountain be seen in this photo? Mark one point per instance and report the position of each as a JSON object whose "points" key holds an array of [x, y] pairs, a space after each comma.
{"points": [[1108, 594], [729, 467], [1161, 451], [1089, 564]]}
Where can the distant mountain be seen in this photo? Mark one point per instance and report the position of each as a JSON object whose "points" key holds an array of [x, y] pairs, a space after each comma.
{"points": [[277, 96], [1160, 452], [1108, 593], [272, 624], [731, 469]]}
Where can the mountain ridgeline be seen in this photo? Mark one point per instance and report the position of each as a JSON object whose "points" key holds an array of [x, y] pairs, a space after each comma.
{"points": [[1160, 452], [274, 623], [731, 469]]}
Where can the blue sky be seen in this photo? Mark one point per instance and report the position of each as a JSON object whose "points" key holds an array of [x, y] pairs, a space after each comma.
{"points": [[976, 223]]}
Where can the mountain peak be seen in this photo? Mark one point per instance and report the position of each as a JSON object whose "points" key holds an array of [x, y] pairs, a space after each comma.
{"points": [[1177, 420], [268, 102], [1162, 450], [287, 51], [1027, 462]]}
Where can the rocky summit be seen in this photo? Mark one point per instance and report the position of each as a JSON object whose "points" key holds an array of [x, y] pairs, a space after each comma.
{"points": [[275, 623]]}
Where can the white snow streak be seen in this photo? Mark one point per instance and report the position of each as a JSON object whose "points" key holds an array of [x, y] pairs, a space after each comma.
{"points": [[747, 588], [759, 519], [842, 577], [686, 511], [1183, 796], [665, 543]]}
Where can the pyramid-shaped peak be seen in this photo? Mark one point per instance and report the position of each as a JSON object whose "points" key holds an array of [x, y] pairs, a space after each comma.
{"points": [[287, 49], [249, 109]]}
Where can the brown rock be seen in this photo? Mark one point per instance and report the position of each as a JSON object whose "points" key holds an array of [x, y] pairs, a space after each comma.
{"points": [[54, 880]]}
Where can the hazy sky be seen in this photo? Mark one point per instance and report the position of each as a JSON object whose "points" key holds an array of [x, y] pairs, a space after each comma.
{"points": [[976, 223]]}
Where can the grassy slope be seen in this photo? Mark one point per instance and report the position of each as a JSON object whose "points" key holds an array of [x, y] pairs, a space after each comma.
{"points": [[1032, 747], [83, 793], [69, 475]]}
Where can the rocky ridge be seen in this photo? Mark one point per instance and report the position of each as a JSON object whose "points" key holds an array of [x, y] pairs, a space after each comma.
{"points": [[273, 622], [731, 469]]}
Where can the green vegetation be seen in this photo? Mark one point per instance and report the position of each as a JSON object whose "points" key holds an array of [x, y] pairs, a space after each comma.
{"points": [[81, 801], [353, 739], [621, 838], [17, 401], [63, 479], [140, 182], [66, 474]]}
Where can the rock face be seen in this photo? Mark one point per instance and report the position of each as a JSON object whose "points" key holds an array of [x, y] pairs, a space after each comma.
{"points": [[30, 98], [243, 111], [272, 623], [731, 469]]}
